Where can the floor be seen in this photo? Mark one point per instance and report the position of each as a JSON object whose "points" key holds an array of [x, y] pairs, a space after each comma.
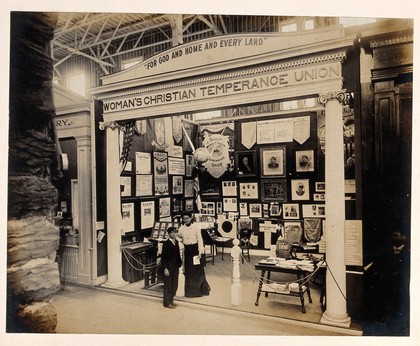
{"points": [[132, 309]]}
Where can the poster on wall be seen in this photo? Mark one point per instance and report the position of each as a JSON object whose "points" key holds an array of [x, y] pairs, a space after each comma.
{"points": [[219, 141], [273, 162], [189, 165], [160, 165], [147, 214], [176, 166], [125, 183], [144, 184], [177, 185], [243, 209], [189, 204], [143, 163], [127, 214], [189, 188], [164, 207], [275, 131]]}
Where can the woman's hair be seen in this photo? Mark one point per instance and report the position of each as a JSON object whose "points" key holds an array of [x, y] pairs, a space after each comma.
{"points": [[187, 213]]}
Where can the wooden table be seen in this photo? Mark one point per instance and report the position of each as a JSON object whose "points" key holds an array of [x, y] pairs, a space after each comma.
{"points": [[300, 273]]}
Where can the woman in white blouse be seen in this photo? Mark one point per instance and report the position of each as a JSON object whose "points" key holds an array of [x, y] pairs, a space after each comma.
{"points": [[195, 277]]}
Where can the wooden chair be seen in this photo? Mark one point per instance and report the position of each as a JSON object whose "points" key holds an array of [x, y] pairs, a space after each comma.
{"points": [[208, 241], [244, 235]]}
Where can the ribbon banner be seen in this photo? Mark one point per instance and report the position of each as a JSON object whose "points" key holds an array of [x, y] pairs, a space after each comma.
{"points": [[219, 141], [249, 134], [177, 129]]}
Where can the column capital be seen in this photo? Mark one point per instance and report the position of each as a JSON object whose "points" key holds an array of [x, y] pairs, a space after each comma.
{"points": [[111, 125], [341, 96]]}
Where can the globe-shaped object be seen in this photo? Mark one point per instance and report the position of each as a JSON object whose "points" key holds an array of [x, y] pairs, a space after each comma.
{"points": [[201, 155]]}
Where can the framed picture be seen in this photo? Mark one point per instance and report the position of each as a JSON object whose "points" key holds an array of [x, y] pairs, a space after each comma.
{"points": [[164, 207], [125, 186], [243, 209], [229, 188], [255, 210], [305, 161], [230, 204], [291, 211], [248, 190], [129, 166], [274, 190], [320, 186], [189, 204], [177, 185], [127, 215], [319, 197], [246, 163], [275, 209], [147, 214], [143, 163], [207, 208], [176, 166], [313, 210], [189, 188], [189, 165], [273, 162], [144, 185], [300, 189]]}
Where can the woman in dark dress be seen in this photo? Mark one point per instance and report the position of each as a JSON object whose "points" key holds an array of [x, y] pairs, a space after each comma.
{"points": [[195, 278]]}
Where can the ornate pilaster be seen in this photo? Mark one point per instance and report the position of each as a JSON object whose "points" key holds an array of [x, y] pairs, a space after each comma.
{"points": [[336, 313], [113, 204]]}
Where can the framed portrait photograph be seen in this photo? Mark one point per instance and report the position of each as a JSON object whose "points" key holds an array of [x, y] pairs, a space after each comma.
{"points": [[300, 189], [319, 197], [255, 210], [305, 161], [246, 163], [230, 204], [274, 190], [273, 162], [291, 211], [248, 190], [320, 186]]}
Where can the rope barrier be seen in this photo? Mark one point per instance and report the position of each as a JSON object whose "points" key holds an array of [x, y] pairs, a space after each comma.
{"points": [[143, 266]]}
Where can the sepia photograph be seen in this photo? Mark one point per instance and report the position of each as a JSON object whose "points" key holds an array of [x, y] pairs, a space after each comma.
{"points": [[122, 116]]}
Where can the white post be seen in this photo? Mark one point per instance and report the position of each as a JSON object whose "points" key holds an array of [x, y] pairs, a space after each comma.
{"points": [[336, 313], [236, 288], [113, 205]]}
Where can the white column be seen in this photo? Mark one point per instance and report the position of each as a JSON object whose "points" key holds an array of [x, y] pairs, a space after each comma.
{"points": [[113, 205], [336, 313], [236, 287], [85, 209]]}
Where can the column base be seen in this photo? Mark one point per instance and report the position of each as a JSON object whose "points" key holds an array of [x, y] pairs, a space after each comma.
{"points": [[114, 284], [343, 322]]}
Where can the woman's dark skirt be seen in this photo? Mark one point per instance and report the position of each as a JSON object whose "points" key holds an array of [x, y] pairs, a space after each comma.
{"points": [[195, 278]]}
